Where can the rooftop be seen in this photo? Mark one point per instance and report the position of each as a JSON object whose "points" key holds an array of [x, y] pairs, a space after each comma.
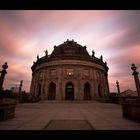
{"points": [[69, 50]]}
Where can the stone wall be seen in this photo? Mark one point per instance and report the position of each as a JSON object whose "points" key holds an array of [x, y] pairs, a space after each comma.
{"points": [[61, 72]]}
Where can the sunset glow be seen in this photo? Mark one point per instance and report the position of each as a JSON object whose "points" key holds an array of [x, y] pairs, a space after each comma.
{"points": [[113, 34]]}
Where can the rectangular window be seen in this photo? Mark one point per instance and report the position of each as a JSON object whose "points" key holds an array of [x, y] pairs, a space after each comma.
{"points": [[98, 75], [69, 72], [40, 74], [53, 72], [86, 72]]}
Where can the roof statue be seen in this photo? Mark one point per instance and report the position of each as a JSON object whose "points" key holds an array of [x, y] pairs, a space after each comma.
{"points": [[93, 53], [101, 57], [37, 57], [46, 52]]}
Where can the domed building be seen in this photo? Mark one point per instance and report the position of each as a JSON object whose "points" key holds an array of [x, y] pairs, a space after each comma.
{"points": [[69, 73]]}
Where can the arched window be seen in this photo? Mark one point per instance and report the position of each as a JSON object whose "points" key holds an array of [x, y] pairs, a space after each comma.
{"points": [[87, 95], [52, 91], [39, 91], [99, 91]]}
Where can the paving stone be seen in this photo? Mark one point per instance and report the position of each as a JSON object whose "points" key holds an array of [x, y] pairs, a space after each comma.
{"points": [[102, 116], [69, 125]]}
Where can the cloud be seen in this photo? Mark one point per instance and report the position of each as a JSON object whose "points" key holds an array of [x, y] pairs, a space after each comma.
{"points": [[113, 34]]}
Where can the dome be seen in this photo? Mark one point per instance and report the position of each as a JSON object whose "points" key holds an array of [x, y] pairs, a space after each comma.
{"points": [[70, 48], [69, 73]]}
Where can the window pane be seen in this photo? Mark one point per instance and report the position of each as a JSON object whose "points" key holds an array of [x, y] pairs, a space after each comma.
{"points": [[69, 71]]}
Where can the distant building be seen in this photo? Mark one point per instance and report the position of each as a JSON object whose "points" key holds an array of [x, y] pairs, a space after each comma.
{"points": [[128, 93], [69, 73]]}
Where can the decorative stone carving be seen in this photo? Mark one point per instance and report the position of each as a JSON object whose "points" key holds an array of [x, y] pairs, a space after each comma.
{"points": [[93, 53], [37, 57], [46, 52], [101, 57]]}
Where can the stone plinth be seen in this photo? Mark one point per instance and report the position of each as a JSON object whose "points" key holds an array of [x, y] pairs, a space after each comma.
{"points": [[131, 109], [7, 110]]}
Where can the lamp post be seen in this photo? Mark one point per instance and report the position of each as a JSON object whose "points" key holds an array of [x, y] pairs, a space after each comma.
{"points": [[118, 88], [20, 90], [3, 72], [136, 78], [20, 86]]}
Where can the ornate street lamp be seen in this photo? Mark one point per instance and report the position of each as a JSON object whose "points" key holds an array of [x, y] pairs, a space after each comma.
{"points": [[136, 78], [118, 88], [3, 72]]}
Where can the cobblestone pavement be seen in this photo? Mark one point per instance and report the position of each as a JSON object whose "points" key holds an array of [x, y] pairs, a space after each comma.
{"points": [[68, 115]]}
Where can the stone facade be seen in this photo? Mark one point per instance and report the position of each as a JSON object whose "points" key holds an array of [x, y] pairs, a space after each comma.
{"points": [[69, 73]]}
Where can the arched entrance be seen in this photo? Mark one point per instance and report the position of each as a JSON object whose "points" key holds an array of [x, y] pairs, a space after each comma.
{"points": [[87, 95], [52, 91], [69, 90], [99, 91], [39, 90]]}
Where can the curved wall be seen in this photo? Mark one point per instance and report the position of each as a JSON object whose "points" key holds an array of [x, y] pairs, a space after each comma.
{"points": [[69, 80]]}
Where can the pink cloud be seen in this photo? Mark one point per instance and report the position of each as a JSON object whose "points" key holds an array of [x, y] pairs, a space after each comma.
{"points": [[114, 34]]}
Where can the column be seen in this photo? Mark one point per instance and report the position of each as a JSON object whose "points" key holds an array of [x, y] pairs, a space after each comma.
{"points": [[3, 72], [137, 83], [118, 89]]}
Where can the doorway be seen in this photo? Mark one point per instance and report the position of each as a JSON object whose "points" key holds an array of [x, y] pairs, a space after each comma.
{"points": [[87, 95], [69, 91]]}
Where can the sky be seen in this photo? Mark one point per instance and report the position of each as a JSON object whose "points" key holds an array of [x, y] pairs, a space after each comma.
{"points": [[115, 34]]}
